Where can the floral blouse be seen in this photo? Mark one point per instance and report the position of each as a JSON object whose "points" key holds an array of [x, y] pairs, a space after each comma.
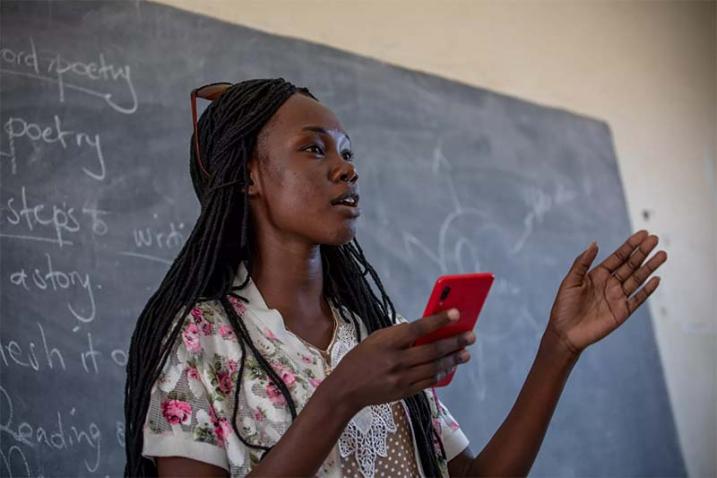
{"points": [[192, 401]]}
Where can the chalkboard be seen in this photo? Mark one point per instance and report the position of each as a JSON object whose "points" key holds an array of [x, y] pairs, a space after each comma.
{"points": [[96, 202]]}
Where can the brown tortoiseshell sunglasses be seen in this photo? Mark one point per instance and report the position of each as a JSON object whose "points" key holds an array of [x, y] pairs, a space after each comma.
{"points": [[210, 92]]}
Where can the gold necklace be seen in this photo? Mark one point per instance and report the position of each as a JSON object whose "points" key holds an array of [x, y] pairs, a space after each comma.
{"points": [[325, 353]]}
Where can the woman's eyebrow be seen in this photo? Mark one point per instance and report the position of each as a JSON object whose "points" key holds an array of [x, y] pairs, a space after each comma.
{"points": [[319, 129]]}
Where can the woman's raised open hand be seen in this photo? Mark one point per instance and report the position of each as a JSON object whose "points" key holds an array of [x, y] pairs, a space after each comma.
{"points": [[386, 366], [591, 303]]}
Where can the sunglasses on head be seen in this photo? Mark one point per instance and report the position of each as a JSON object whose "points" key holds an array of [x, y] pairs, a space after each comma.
{"points": [[210, 92]]}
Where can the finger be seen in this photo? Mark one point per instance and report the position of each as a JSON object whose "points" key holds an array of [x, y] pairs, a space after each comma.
{"points": [[636, 258], [639, 276], [438, 368], [615, 260], [425, 353], [581, 265], [641, 295], [422, 385], [428, 324]]}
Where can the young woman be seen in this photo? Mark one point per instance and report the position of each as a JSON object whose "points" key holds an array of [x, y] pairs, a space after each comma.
{"points": [[271, 348]]}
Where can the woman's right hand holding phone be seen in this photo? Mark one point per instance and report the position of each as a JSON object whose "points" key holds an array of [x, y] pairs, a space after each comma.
{"points": [[386, 366]]}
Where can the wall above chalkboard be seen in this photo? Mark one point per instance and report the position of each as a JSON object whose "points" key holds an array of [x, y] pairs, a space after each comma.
{"points": [[96, 202]]}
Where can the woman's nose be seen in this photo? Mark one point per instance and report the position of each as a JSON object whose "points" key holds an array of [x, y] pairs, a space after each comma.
{"points": [[350, 176], [346, 173]]}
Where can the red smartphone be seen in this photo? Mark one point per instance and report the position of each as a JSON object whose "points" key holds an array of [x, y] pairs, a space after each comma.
{"points": [[465, 292]]}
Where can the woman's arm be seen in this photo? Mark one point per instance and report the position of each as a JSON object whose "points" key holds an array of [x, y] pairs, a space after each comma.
{"points": [[321, 422], [513, 448], [178, 467], [590, 304], [383, 368]]}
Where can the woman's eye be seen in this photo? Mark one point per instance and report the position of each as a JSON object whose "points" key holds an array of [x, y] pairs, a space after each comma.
{"points": [[317, 148], [347, 155]]}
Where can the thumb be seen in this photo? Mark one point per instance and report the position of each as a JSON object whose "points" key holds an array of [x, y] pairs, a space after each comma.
{"points": [[581, 266]]}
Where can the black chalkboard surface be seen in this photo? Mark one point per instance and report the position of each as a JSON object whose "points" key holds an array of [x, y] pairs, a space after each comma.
{"points": [[96, 201]]}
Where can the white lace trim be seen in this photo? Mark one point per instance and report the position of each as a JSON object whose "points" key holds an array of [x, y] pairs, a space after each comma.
{"points": [[366, 434]]}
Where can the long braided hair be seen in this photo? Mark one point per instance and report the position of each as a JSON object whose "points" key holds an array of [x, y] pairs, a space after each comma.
{"points": [[221, 239]]}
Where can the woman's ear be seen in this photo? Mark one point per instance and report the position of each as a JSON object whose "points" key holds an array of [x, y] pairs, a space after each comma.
{"points": [[252, 187], [252, 176]]}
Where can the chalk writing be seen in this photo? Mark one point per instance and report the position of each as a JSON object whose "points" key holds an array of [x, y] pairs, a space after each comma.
{"points": [[12, 354], [50, 278], [119, 357], [15, 455], [147, 237], [99, 226], [539, 203], [89, 357], [16, 128], [151, 239], [56, 68], [119, 433], [58, 436], [29, 220]]}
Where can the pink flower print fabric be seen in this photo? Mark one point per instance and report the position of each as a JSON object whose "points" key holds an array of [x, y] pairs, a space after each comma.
{"points": [[226, 332], [176, 411], [188, 415], [447, 418], [193, 400], [190, 336], [239, 306]]}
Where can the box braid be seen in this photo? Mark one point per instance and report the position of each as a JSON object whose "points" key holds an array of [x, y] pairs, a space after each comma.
{"points": [[206, 265]]}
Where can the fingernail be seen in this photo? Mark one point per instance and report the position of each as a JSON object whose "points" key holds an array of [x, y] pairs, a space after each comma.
{"points": [[453, 314]]}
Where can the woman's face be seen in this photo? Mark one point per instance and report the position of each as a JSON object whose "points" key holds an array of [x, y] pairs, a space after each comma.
{"points": [[303, 162]]}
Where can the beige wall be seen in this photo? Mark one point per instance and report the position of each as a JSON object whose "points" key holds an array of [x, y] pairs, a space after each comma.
{"points": [[645, 67]]}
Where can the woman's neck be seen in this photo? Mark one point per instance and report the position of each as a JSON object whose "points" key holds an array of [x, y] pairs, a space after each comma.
{"points": [[290, 279]]}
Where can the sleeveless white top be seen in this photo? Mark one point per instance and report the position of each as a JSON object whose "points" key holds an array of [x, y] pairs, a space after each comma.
{"points": [[192, 401]]}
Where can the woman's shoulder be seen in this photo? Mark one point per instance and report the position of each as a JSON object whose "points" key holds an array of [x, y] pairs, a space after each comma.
{"points": [[206, 333], [208, 313]]}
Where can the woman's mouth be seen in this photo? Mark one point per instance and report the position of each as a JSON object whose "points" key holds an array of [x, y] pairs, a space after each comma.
{"points": [[348, 203], [348, 198], [351, 210]]}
